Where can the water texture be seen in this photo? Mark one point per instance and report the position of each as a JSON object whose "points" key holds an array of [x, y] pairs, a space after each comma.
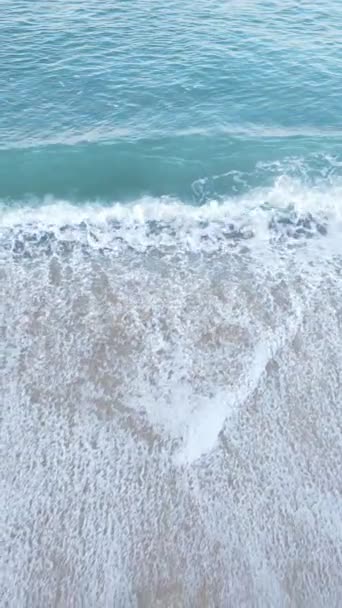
{"points": [[171, 317]]}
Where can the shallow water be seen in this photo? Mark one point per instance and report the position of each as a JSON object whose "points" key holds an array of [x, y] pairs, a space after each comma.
{"points": [[171, 320]]}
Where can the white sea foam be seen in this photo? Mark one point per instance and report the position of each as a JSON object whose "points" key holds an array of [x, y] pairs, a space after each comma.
{"points": [[175, 409], [289, 207]]}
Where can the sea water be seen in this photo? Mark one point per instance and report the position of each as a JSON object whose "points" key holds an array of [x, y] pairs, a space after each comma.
{"points": [[171, 309]]}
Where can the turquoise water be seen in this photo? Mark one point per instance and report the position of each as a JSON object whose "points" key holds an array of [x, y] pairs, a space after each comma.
{"points": [[171, 260], [120, 100]]}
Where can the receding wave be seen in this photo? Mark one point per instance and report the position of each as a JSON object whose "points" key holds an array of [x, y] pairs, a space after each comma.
{"points": [[174, 367]]}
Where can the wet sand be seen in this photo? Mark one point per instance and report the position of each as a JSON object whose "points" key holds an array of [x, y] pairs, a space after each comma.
{"points": [[171, 432]]}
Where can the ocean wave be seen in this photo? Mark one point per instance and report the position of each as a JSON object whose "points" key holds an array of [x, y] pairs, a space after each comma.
{"points": [[288, 211], [107, 134], [194, 168]]}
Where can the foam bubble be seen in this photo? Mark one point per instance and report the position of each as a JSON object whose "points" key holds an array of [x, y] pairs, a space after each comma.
{"points": [[197, 393], [288, 209]]}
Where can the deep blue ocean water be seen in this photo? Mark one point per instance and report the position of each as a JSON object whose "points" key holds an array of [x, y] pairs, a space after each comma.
{"points": [[171, 317]]}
